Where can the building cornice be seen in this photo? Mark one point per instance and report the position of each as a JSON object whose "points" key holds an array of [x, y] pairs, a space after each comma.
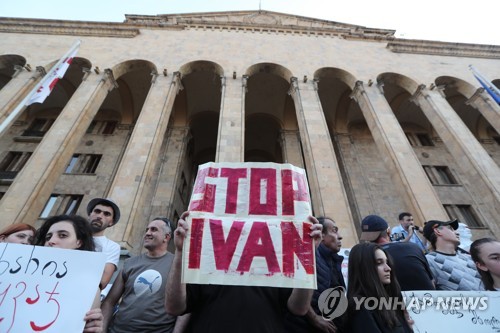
{"points": [[247, 21], [444, 48], [62, 27]]}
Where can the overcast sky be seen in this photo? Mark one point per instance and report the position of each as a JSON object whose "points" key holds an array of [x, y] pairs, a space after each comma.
{"points": [[441, 20]]}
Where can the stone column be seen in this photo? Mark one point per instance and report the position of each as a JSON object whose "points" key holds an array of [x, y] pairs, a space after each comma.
{"points": [[133, 178], [28, 194], [170, 171], [292, 150], [487, 107], [19, 86], [327, 191], [231, 134], [404, 166], [463, 146]]}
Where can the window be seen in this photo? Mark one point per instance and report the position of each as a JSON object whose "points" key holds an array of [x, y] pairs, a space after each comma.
{"points": [[439, 175], [102, 127], [83, 163], [38, 127], [183, 191], [13, 163], [424, 139], [419, 139], [61, 204], [465, 214]]}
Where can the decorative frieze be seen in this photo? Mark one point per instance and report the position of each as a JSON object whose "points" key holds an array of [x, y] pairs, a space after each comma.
{"points": [[444, 49], [71, 28]]}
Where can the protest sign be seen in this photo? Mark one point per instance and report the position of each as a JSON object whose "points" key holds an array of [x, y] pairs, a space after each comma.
{"points": [[454, 311], [44, 289], [248, 225]]}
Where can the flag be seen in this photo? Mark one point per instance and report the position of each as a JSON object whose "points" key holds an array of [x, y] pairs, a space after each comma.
{"points": [[49, 81], [487, 85]]}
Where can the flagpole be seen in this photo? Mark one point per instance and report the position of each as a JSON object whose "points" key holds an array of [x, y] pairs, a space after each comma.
{"points": [[490, 84], [22, 105]]}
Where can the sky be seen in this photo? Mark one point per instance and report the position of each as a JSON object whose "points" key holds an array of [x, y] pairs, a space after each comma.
{"points": [[439, 20]]}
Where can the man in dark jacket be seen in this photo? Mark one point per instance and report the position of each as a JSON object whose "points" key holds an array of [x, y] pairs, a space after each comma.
{"points": [[329, 275], [410, 265]]}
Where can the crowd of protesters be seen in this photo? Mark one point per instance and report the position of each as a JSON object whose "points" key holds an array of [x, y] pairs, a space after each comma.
{"points": [[384, 263]]}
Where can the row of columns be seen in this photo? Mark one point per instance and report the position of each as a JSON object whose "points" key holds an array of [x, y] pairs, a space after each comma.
{"points": [[27, 195]]}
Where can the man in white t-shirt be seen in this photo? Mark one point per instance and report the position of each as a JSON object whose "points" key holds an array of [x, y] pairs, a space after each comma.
{"points": [[104, 213]]}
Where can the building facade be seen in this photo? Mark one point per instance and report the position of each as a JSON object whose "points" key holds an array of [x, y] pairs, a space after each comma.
{"points": [[380, 124]]}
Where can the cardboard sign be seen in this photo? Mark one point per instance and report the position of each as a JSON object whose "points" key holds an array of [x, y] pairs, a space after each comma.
{"points": [[454, 311], [44, 289], [248, 226]]}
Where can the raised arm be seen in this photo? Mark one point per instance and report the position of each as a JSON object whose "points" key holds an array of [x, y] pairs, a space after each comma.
{"points": [[175, 291]]}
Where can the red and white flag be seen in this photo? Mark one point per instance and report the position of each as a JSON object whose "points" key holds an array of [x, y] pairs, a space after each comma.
{"points": [[49, 82]]}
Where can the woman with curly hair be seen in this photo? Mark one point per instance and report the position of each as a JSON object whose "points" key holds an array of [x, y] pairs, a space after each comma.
{"points": [[66, 232], [72, 232]]}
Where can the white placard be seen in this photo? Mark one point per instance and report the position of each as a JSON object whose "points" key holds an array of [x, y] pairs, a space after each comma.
{"points": [[44, 289], [248, 226], [454, 311]]}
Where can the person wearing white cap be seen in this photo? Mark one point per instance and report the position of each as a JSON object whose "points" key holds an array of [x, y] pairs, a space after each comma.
{"points": [[104, 213]]}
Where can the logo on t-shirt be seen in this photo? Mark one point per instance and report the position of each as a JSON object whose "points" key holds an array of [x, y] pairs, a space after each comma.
{"points": [[148, 282]]}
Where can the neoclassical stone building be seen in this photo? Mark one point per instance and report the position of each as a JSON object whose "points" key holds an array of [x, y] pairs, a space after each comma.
{"points": [[381, 125]]}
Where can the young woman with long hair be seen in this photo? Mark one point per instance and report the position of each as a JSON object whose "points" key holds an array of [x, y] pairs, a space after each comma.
{"points": [[72, 232], [371, 279], [486, 254]]}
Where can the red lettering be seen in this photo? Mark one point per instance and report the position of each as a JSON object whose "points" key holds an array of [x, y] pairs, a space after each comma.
{"points": [[30, 300], [290, 195], [259, 244], [257, 179], [206, 204], [14, 308], [195, 243], [4, 294], [233, 176], [293, 244], [224, 249], [37, 328]]}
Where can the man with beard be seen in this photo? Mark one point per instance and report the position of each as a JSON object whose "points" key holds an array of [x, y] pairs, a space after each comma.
{"points": [[104, 213]]}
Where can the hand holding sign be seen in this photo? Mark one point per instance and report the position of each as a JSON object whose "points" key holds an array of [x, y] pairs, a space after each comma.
{"points": [[316, 230], [181, 231], [93, 321]]}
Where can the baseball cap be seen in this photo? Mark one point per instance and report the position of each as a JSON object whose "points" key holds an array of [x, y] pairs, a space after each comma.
{"points": [[433, 224], [107, 202], [371, 226]]}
